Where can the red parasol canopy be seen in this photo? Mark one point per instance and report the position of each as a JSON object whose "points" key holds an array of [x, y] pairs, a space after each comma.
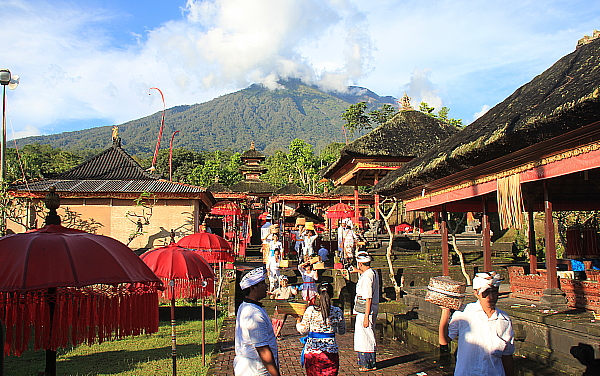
{"points": [[225, 208], [214, 248], [186, 274], [340, 210], [56, 256], [93, 287], [186, 267]]}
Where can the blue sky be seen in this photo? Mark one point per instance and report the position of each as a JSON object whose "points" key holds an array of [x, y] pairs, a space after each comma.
{"points": [[89, 63]]}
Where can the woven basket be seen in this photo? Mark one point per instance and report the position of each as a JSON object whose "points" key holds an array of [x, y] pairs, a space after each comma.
{"points": [[445, 292]]}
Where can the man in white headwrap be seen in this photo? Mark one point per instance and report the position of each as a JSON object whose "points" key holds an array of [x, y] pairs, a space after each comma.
{"points": [[255, 343], [366, 305], [485, 333]]}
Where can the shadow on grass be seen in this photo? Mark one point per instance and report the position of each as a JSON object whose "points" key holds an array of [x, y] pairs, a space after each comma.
{"points": [[102, 362], [115, 362]]}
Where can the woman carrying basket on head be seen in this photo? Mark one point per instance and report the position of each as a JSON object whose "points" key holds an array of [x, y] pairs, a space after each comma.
{"points": [[309, 286], [321, 322]]}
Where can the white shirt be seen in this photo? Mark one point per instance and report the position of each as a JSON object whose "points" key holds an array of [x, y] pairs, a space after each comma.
{"points": [[368, 287], [273, 266], [253, 329], [482, 341], [265, 230]]}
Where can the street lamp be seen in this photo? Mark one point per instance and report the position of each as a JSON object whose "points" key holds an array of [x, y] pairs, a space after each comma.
{"points": [[6, 79]]}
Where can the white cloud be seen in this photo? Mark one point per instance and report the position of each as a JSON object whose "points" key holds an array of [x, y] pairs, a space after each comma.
{"points": [[479, 114], [71, 71], [421, 89], [458, 53]]}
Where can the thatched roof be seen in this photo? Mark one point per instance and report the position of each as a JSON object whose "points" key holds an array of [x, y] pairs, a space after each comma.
{"points": [[407, 134], [345, 190], [563, 98], [252, 186], [217, 187], [289, 189]]}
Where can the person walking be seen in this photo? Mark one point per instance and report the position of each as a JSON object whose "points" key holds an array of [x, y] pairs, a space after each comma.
{"points": [[309, 286], [298, 237], [273, 269], [283, 292], [485, 333], [310, 238], [366, 305], [256, 352], [347, 242], [320, 323], [275, 244]]}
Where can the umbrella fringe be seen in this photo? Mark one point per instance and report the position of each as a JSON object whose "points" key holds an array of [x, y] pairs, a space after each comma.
{"points": [[187, 289], [81, 315]]}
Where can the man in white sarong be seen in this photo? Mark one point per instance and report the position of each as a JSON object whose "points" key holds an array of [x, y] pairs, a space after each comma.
{"points": [[256, 351], [366, 305], [485, 333]]}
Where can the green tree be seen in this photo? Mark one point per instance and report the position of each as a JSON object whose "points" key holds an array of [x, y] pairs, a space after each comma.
{"points": [[222, 165], [330, 153], [442, 114], [357, 119], [304, 164], [279, 169], [35, 161], [184, 161]]}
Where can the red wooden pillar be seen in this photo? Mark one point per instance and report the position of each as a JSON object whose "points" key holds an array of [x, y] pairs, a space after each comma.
{"points": [[487, 247], [552, 282], [445, 248], [532, 243], [377, 217], [356, 210]]}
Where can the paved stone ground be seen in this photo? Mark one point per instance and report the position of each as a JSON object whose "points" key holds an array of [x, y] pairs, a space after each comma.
{"points": [[393, 358]]}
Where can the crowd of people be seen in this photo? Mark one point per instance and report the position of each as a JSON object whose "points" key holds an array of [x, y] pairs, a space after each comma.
{"points": [[485, 335]]}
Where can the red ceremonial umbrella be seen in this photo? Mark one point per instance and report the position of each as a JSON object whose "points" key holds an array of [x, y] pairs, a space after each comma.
{"points": [[213, 247], [186, 273], [226, 208], [339, 211], [72, 287]]}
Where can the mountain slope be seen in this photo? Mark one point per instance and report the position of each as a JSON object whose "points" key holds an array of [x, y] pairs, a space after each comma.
{"points": [[270, 118]]}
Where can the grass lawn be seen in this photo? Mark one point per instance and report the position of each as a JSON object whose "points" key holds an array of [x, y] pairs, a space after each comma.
{"points": [[145, 355]]}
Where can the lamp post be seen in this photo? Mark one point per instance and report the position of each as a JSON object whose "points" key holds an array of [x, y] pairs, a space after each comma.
{"points": [[4, 80]]}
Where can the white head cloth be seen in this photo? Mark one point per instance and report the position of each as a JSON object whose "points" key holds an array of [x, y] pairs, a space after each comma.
{"points": [[363, 257], [253, 277], [347, 221], [484, 281]]}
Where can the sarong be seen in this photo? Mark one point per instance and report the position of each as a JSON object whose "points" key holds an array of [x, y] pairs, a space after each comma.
{"points": [[322, 364]]}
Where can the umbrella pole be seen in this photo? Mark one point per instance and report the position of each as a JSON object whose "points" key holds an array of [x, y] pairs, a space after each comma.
{"points": [[51, 354], [203, 331], [1, 348], [173, 323], [216, 312]]}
